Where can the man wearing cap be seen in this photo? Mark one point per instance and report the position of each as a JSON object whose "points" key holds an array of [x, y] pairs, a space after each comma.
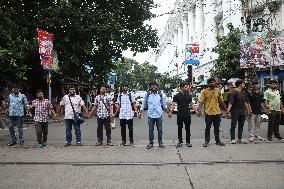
{"points": [[254, 120], [274, 108]]}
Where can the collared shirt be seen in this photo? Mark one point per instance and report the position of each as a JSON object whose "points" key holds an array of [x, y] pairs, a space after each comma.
{"points": [[273, 98], [126, 111], [42, 108], [154, 104], [103, 103], [77, 104], [16, 104], [211, 99]]}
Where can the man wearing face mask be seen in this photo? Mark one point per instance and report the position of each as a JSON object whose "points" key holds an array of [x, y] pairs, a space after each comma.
{"points": [[274, 108], [212, 98], [67, 102], [16, 104], [155, 102], [42, 107]]}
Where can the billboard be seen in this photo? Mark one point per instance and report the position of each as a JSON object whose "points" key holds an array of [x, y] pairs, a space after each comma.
{"points": [[262, 49], [192, 54]]}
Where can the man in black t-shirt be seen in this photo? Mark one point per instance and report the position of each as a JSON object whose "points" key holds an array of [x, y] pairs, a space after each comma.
{"points": [[183, 100], [256, 102], [238, 106]]}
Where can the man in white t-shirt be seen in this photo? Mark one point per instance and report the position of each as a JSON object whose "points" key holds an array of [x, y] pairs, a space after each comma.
{"points": [[77, 103]]}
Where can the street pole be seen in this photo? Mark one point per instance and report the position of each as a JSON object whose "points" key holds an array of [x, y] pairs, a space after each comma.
{"points": [[49, 85]]}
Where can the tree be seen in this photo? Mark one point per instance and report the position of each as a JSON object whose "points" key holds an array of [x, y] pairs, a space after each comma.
{"points": [[227, 65], [87, 33]]}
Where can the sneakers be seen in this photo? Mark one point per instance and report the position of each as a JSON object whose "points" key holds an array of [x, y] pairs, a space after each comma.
{"points": [[12, 143], [44, 143], [206, 143], [21, 143], [179, 145], [280, 138], [242, 141], [99, 143], [79, 144], [39, 146], [233, 141], [220, 144], [123, 144], [161, 145], [269, 139], [188, 145], [150, 145], [109, 143], [260, 138], [67, 144], [132, 144]]}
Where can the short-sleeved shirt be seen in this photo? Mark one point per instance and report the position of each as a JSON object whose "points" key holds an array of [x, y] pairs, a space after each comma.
{"points": [[103, 103], [77, 104], [273, 98], [16, 103], [238, 100], [256, 99], [126, 111], [211, 99], [42, 108], [183, 101]]}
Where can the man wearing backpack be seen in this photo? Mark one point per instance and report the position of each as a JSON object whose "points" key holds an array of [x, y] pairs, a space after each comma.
{"points": [[126, 106], [155, 102]]}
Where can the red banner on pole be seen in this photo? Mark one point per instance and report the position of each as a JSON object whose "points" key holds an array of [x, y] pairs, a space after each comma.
{"points": [[45, 41]]}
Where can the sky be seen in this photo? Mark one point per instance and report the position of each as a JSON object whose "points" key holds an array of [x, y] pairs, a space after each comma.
{"points": [[158, 23]]}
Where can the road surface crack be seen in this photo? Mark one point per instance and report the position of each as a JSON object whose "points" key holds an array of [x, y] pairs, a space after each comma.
{"points": [[185, 168]]}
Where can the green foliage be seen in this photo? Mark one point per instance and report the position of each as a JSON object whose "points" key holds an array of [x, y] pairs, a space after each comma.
{"points": [[87, 32], [228, 63], [138, 76]]}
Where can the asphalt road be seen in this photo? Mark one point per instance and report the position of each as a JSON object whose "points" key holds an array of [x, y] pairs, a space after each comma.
{"points": [[254, 165]]}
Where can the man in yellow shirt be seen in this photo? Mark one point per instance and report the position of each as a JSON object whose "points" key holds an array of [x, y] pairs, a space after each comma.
{"points": [[212, 98]]}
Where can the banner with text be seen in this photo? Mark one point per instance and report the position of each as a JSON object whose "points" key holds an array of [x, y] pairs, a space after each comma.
{"points": [[192, 54], [45, 40]]}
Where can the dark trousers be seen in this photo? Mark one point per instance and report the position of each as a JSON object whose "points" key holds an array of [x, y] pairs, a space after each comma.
{"points": [[240, 120], [216, 120], [186, 121], [123, 123], [68, 124], [273, 124], [41, 131], [101, 123]]}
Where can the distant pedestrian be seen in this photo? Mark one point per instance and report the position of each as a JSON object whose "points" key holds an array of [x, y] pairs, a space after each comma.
{"points": [[238, 107], [212, 98], [103, 107], [126, 109], [155, 101], [17, 103], [183, 100], [274, 108], [72, 102], [42, 107]]}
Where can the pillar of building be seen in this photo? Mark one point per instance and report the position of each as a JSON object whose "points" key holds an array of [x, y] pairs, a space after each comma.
{"points": [[199, 24]]}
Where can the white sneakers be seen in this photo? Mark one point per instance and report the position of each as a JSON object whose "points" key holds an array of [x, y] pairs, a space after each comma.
{"points": [[242, 141], [233, 142]]}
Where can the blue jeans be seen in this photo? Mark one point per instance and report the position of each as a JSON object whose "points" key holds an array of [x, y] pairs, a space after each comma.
{"points": [[13, 121], [68, 125], [151, 123]]}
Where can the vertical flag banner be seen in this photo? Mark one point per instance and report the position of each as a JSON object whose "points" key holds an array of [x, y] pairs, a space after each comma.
{"points": [[45, 41], [192, 54]]}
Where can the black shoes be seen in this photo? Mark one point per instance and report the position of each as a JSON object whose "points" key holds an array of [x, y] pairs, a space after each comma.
{"points": [[179, 145], [67, 144], [188, 145], [150, 145], [161, 145], [123, 144], [99, 143], [205, 144], [12, 143], [220, 144]]}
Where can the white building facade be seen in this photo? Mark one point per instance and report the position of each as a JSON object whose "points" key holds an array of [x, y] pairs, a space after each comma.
{"points": [[200, 22]]}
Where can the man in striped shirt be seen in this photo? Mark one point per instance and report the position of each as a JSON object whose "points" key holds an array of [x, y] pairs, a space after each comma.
{"points": [[126, 106], [42, 107]]}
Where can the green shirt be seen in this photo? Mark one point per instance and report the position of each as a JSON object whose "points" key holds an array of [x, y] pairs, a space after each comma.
{"points": [[273, 98]]}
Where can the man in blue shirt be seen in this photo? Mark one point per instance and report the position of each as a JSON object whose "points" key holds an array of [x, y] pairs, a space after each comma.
{"points": [[156, 102], [16, 103]]}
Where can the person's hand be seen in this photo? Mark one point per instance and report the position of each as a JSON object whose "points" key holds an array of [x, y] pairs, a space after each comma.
{"points": [[170, 115]]}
